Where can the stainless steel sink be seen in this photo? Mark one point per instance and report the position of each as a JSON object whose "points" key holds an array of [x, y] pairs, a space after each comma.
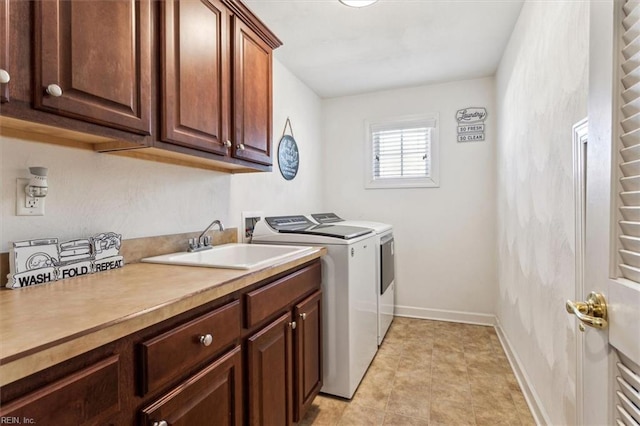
{"points": [[231, 256]]}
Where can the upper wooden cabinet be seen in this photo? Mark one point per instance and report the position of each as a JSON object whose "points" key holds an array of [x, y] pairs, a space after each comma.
{"points": [[252, 95], [4, 50], [216, 79], [195, 74], [93, 61]]}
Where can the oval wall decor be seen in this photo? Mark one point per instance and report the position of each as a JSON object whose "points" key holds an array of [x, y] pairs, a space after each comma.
{"points": [[288, 157]]}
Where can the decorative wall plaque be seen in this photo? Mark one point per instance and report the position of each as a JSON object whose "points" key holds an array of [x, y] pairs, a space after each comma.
{"points": [[45, 260], [471, 124], [288, 155]]}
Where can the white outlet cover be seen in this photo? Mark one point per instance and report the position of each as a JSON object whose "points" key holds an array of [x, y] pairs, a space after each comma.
{"points": [[21, 201]]}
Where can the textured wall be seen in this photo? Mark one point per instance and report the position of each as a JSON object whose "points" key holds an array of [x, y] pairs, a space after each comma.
{"points": [[541, 92], [445, 237], [91, 192]]}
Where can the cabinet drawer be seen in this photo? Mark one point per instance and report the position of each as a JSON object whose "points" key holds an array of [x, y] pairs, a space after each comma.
{"points": [[273, 298], [212, 396], [89, 396], [173, 353]]}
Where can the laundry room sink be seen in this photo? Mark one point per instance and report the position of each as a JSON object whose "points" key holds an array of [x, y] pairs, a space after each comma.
{"points": [[231, 256]]}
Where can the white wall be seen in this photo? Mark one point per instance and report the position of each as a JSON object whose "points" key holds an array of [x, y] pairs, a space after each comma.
{"points": [[91, 193], [541, 92], [445, 237]]}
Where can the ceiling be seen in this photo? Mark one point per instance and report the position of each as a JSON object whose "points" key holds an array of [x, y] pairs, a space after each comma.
{"points": [[338, 50]]}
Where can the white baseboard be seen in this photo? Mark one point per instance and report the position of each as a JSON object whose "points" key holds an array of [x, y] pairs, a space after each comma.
{"points": [[444, 315], [539, 415]]}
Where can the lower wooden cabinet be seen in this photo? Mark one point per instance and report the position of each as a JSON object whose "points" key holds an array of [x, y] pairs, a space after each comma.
{"points": [[270, 370], [211, 397], [308, 353], [89, 396], [251, 357]]}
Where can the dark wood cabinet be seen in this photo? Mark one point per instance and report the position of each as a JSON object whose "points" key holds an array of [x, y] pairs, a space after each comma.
{"points": [[93, 61], [4, 49], [170, 354], [250, 357], [186, 82], [270, 374], [195, 74], [308, 352], [252, 86], [89, 396], [211, 397]]}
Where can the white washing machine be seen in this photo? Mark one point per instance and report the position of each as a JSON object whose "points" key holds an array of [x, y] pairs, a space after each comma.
{"points": [[349, 302], [385, 266]]}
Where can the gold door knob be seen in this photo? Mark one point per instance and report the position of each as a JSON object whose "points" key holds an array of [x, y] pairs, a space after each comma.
{"points": [[593, 312]]}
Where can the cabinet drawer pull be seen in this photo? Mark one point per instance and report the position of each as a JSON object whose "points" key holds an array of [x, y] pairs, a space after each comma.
{"points": [[206, 340], [54, 90], [240, 147], [4, 76], [303, 316], [161, 423], [227, 144], [293, 325]]}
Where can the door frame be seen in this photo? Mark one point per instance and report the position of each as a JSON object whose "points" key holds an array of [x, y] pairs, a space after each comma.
{"points": [[580, 139]]}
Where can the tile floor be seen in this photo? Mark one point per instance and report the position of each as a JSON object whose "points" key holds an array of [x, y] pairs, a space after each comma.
{"points": [[431, 373]]}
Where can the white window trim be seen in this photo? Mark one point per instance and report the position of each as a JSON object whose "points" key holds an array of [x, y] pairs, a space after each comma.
{"points": [[431, 182]]}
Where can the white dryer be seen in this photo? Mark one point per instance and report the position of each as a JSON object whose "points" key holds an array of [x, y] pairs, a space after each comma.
{"points": [[349, 302], [385, 266]]}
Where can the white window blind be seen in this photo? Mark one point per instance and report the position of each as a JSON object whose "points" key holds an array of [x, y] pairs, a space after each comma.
{"points": [[403, 153], [630, 138]]}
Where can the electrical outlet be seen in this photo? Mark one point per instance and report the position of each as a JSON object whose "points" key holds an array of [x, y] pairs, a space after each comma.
{"points": [[32, 202], [25, 205]]}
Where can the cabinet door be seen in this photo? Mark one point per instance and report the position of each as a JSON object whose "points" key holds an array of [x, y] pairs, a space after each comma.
{"points": [[98, 54], [195, 74], [270, 368], [211, 397], [90, 396], [308, 352], [251, 96], [4, 47]]}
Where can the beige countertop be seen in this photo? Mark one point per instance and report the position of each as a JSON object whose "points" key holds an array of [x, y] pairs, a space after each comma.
{"points": [[44, 325]]}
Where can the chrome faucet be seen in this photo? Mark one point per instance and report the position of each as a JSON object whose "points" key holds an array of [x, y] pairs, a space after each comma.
{"points": [[204, 242]]}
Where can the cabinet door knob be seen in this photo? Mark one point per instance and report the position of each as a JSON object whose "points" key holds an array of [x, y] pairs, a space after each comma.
{"points": [[303, 316], [293, 325], [161, 423], [54, 90], [227, 143], [206, 340], [4, 76], [240, 147]]}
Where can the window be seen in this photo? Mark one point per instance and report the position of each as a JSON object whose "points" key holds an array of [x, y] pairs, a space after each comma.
{"points": [[403, 153]]}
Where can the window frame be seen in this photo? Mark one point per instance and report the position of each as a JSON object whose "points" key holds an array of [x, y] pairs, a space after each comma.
{"points": [[370, 182]]}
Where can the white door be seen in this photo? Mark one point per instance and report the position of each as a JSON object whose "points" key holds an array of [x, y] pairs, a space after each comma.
{"points": [[608, 377]]}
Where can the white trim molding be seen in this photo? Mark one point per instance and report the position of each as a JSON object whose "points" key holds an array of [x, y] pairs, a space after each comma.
{"points": [[533, 400], [445, 315]]}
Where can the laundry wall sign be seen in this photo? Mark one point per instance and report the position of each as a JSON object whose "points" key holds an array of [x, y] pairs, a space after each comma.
{"points": [[45, 260], [471, 126]]}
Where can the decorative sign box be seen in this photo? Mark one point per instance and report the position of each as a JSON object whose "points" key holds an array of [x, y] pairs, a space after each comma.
{"points": [[41, 261]]}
